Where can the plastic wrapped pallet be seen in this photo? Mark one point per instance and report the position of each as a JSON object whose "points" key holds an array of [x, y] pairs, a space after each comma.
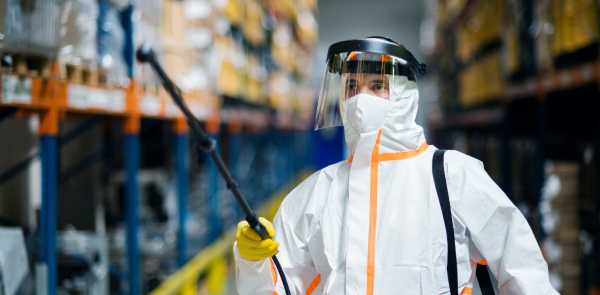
{"points": [[252, 28], [303, 105], [187, 36], [480, 32], [234, 11], [306, 26], [256, 77], [481, 82], [576, 31], [30, 26], [14, 264], [231, 61], [589, 221], [201, 18], [542, 30], [180, 32], [111, 45], [284, 47], [177, 53], [78, 36], [29, 31], [147, 23], [281, 88], [560, 218], [304, 63], [285, 7], [519, 60]]}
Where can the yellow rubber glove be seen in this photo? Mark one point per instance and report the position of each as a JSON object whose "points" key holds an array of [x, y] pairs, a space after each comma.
{"points": [[249, 244]]}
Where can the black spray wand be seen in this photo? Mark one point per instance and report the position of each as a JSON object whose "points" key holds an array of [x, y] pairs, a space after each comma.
{"points": [[208, 145]]}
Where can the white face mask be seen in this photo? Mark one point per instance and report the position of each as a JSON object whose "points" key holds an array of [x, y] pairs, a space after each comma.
{"points": [[365, 112]]}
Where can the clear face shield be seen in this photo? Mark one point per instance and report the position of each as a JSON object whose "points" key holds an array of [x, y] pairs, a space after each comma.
{"points": [[351, 73]]}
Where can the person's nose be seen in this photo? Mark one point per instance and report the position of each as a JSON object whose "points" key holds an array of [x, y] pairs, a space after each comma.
{"points": [[365, 90]]}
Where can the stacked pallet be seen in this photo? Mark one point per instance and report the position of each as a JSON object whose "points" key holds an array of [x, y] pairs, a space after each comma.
{"points": [[30, 40], [77, 57], [566, 234]]}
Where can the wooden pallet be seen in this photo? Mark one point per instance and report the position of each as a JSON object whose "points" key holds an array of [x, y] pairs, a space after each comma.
{"points": [[83, 75], [28, 65], [151, 89], [103, 76]]}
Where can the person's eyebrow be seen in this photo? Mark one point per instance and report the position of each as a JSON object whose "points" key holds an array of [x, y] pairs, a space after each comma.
{"points": [[376, 81]]}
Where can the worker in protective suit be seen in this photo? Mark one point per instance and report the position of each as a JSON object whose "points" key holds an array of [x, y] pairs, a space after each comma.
{"points": [[373, 224]]}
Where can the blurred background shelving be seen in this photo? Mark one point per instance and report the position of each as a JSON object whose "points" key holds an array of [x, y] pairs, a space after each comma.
{"points": [[97, 167], [518, 89]]}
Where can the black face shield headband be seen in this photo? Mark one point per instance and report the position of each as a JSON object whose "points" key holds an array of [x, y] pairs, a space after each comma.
{"points": [[374, 44]]}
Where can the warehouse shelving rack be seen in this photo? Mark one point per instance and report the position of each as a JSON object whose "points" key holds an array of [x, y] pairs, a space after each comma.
{"points": [[53, 100], [537, 88], [542, 97], [50, 100]]}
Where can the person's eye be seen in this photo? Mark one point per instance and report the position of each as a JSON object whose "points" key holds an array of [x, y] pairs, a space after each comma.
{"points": [[352, 87], [378, 87]]}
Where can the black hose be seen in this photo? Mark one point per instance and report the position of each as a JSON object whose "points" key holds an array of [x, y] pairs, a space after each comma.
{"points": [[207, 144], [282, 275]]}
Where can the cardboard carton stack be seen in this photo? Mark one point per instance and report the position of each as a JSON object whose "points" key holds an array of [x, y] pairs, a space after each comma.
{"points": [[566, 234]]}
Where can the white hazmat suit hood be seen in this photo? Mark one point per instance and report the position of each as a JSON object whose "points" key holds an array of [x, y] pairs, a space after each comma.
{"points": [[373, 224], [402, 133]]}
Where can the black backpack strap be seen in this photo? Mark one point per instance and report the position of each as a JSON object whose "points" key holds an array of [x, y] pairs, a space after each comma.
{"points": [[439, 177], [483, 277]]}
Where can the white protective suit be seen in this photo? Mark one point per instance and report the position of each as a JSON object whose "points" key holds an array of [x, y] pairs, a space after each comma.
{"points": [[373, 224]]}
